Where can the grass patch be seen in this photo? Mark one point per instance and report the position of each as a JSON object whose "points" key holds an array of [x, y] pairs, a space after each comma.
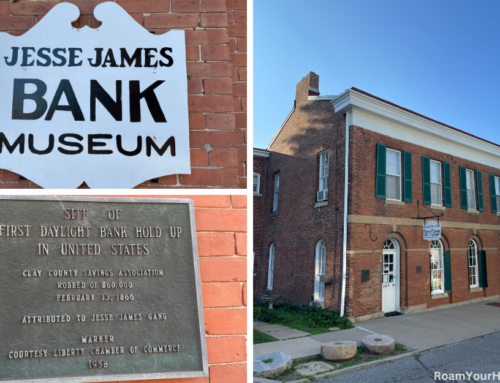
{"points": [[362, 356], [267, 361], [399, 347], [313, 320], [260, 337]]}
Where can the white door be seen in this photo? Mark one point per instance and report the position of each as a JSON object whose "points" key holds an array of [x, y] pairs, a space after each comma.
{"points": [[390, 275]]}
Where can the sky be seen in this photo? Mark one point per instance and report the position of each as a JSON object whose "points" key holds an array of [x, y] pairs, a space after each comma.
{"points": [[439, 58]]}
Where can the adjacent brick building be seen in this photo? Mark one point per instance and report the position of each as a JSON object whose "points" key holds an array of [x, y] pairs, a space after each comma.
{"points": [[216, 46], [401, 166]]}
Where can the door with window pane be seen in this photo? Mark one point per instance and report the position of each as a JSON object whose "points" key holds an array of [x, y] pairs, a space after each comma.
{"points": [[319, 287], [390, 268]]}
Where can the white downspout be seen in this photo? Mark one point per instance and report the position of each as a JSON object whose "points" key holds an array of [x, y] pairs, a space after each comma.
{"points": [[346, 188]]}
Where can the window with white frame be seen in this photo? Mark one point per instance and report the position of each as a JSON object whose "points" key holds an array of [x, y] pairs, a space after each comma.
{"points": [[471, 194], [276, 190], [323, 176], [319, 287], [256, 183], [437, 267], [436, 186], [270, 272], [472, 256], [497, 192], [393, 175]]}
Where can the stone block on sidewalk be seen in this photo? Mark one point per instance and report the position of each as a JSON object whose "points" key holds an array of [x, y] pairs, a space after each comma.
{"points": [[378, 344], [271, 364], [313, 368], [339, 351]]}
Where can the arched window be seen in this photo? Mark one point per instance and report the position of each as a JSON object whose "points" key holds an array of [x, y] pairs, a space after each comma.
{"points": [[270, 272], [319, 287], [388, 245], [472, 256], [437, 267]]}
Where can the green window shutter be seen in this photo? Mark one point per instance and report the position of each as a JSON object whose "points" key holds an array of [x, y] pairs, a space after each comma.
{"points": [[381, 172], [480, 202], [463, 188], [447, 184], [447, 272], [408, 185], [483, 277], [493, 194], [426, 180]]}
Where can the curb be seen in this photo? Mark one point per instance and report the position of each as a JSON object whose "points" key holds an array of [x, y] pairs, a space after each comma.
{"points": [[392, 359], [363, 366]]}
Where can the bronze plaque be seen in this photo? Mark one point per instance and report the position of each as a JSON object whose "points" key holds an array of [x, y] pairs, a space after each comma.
{"points": [[99, 289]]}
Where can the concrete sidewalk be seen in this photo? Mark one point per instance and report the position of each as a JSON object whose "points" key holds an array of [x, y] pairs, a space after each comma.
{"points": [[419, 331]]}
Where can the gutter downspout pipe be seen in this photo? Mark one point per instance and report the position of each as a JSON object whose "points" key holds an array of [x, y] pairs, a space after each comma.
{"points": [[346, 188]]}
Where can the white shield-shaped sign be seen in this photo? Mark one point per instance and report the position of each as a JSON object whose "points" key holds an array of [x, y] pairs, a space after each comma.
{"points": [[432, 230], [105, 106]]}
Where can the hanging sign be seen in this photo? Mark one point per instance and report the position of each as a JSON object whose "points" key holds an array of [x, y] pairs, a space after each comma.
{"points": [[432, 230], [105, 106]]}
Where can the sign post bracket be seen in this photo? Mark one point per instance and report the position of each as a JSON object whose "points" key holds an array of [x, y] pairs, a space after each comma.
{"points": [[425, 218]]}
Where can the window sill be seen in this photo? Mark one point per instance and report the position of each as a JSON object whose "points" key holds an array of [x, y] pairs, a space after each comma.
{"points": [[273, 214], [437, 207], [439, 296], [472, 211], [476, 289], [393, 202], [498, 214], [257, 194], [321, 204]]}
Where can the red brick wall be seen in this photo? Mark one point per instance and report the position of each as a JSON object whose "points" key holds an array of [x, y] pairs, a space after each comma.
{"points": [[237, 28], [259, 166], [216, 69], [295, 230], [365, 297]]}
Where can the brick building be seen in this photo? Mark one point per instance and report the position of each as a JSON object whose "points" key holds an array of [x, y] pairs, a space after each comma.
{"points": [[216, 46], [400, 166]]}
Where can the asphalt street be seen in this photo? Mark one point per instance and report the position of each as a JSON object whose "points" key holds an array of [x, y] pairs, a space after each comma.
{"points": [[479, 357]]}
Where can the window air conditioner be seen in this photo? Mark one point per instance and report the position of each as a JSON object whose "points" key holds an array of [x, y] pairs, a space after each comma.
{"points": [[322, 195]]}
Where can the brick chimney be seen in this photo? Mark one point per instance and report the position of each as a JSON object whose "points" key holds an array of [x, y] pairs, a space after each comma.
{"points": [[308, 86]]}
